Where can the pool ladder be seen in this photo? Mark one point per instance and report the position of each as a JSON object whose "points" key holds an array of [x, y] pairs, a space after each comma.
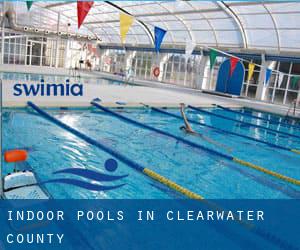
{"points": [[73, 72], [292, 106]]}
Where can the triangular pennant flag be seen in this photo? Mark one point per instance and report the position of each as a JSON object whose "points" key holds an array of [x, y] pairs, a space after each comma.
{"points": [[280, 79], [251, 67], [125, 23], [83, 8], [295, 80], [189, 48], [29, 4], [159, 35], [233, 63], [268, 75], [212, 57]]}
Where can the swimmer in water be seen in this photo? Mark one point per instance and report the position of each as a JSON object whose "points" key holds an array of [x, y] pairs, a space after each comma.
{"points": [[188, 129]]}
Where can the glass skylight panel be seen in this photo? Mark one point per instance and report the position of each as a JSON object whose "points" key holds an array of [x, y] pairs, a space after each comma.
{"points": [[205, 20], [288, 21], [192, 16], [175, 25], [181, 36], [203, 5], [220, 24], [131, 39], [257, 21], [204, 37], [166, 17], [69, 13], [229, 37], [261, 38], [197, 24], [215, 14], [244, 8], [289, 39], [284, 7], [177, 6], [137, 29]]}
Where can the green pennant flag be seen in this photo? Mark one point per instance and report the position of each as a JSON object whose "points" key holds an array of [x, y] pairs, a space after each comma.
{"points": [[29, 4], [295, 80], [212, 56]]}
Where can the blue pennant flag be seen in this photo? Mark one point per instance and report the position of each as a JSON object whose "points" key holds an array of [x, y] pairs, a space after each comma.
{"points": [[268, 75], [159, 34]]}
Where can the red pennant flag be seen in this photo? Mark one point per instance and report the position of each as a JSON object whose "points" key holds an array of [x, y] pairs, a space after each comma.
{"points": [[233, 62], [83, 9]]}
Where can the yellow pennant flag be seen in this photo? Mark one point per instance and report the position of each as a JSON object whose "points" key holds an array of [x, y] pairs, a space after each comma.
{"points": [[250, 71], [125, 23]]}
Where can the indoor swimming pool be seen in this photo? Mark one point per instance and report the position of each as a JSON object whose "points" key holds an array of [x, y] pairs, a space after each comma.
{"points": [[52, 148]]}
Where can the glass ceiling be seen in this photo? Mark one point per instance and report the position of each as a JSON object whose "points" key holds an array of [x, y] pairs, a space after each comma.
{"points": [[251, 25]]}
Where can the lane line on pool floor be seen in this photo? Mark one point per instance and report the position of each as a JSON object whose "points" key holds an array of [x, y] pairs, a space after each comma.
{"points": [[257, 117], [242, 122], [136, 166], [195, 145], [155, 176], [224, 131]]}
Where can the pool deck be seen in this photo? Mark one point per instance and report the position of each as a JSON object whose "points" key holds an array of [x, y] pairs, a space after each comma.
{"points": [[110, 94], [146, 92]]}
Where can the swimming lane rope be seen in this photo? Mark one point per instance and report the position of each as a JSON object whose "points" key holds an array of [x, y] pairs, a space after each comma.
{"points": [[201, 147], [136, 166], [257, 117], [225, 131], [248, 123], [155, 176]]}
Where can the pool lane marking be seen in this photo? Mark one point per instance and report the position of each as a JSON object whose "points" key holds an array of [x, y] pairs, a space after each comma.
{"points": [[145, 126], [267, 171], [224, 131], [136, 166], [248, 123], [274, 115], [155, 176], [195, 145], [296, 151], [172, 184], [257, 117]]}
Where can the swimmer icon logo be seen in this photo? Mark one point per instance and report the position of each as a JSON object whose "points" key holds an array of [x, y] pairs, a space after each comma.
{"points": [[110, 165]]}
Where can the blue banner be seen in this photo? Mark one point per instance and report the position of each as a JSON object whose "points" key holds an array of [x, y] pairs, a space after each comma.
{"points": [[159, 35], [268, 75], [149, 224]]}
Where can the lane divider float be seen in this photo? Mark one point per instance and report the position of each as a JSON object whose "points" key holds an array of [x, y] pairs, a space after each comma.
{"points": [[195, 145], [296, 151], [247, 123], [257, 117], [155, 176], [134, 165]]}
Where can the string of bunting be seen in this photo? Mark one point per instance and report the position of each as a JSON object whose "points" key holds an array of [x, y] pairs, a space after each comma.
{"points": [[126, 21], [294, 79]]}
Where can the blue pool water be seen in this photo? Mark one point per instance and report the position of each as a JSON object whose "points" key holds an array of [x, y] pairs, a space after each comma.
{"points": [[52, 148], [57, 79]]}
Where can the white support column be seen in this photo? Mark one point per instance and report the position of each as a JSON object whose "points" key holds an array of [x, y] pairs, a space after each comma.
{"points": [[67, 61], [161, 67], [185, 62], [288, 83], [261, 89], [128, 65], [2, 42], [57, 41], [203, 77]]}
